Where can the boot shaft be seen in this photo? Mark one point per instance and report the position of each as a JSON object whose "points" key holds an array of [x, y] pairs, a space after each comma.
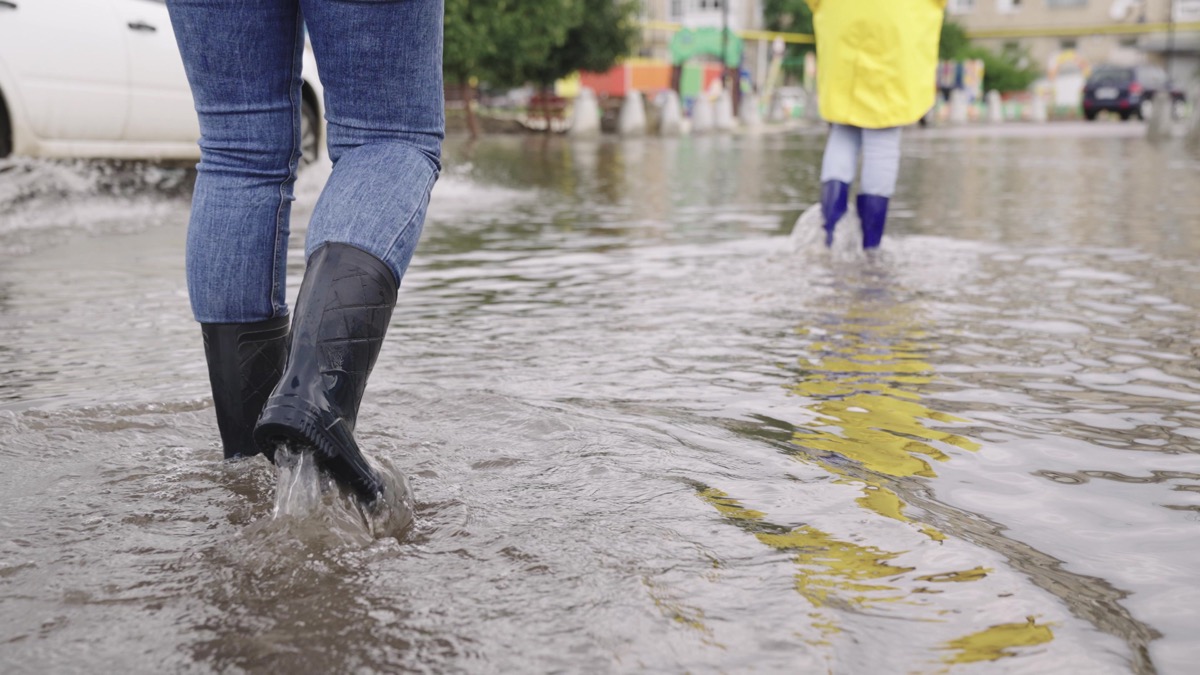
{"points": [[835, 197], [245, 361], [872, 213], [341, 318]]}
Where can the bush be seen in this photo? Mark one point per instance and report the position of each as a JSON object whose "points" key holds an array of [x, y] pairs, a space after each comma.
{"points": [[1009, 70], [1006, 71]]}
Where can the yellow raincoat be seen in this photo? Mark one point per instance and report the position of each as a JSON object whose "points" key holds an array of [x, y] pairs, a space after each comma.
{"points": [[877, 60]]}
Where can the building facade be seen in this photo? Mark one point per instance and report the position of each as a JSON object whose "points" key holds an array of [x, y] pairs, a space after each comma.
{"points": [[1166, 32]]}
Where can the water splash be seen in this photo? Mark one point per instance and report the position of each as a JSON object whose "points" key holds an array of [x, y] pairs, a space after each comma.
{"points": [[311, 506], [808, 236], [298, 493]]}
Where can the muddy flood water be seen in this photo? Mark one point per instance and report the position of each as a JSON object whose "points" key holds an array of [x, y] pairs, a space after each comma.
{"points": [[645, 428]]}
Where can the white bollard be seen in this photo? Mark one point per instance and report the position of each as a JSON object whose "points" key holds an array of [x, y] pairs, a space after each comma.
{"points": [[750, 114], [958, 106], [585, 118], [725, 120], [703, 116], [1192, 135], [632, 120], [776, 114], [1037, 110], [995, 107], [1158, 127], [812, 106], [671, 117]]}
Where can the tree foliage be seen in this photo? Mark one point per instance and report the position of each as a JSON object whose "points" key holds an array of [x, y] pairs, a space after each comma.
{"points": [[511, 42], [1010, 69], [954, 41], [790, 16], [604, 32]]}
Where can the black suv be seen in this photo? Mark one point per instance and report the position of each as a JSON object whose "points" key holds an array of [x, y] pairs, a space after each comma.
{"points": [[1125, 90]]}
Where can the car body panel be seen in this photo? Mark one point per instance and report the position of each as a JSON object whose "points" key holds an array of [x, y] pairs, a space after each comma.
{"points": [[78, 81], [72, 84], [160, 102]]}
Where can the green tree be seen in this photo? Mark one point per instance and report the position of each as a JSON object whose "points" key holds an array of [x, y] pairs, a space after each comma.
{"points": [[604, 32], [502, 42], [954, 41], [790, 16], [1008, 70]]}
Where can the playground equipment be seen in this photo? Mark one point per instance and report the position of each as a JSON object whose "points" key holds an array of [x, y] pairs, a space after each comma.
{"points": [[723, 46]]}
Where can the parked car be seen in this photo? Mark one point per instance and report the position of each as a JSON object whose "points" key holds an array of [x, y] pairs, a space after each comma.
{"points": [[1126, 90], [103, 78]]}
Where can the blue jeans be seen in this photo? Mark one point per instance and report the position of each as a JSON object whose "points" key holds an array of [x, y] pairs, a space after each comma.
{"points": [[380, 63], [880, 150]]}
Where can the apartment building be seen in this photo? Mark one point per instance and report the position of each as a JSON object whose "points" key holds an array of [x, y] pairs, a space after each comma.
{"points": [[1166, 32]]}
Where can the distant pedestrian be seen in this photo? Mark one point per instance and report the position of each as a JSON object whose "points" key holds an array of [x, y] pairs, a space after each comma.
{"points": [[381, 67], [876, 72]]}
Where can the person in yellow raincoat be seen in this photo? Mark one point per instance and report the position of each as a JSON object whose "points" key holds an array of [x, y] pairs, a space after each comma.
{"points": [[876, 72]]}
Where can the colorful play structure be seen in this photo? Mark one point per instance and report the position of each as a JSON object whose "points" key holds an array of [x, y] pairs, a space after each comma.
{"points": [[696, 64]]}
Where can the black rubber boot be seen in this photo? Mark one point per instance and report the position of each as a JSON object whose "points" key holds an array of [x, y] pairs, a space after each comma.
{"points": [[245, 361], [341, 316]]}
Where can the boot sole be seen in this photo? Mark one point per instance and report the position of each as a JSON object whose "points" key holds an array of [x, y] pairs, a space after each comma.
{"points": [[292, 419]]}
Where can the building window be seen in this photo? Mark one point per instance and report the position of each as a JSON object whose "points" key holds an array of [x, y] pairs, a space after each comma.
{"points": [[1066, 3], [1068, 43], [676, 9], [961, 6]]}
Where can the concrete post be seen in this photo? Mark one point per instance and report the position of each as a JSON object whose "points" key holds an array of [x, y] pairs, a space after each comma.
{"points": [[632, 120], [958, 106], [1158, 127], [776, 113], [1192, 135], [585, 118], [703, 116], [751, 115], [995, 107], [1038, 112], [812, 106], [671, 117], [725, 120]]}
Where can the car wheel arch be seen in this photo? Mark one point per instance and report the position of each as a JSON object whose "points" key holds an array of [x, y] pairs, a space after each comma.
{"points": [[6, 127]]}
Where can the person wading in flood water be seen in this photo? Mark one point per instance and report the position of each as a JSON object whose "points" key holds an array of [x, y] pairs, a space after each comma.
{"points": [[381, 66], [876, 72]]}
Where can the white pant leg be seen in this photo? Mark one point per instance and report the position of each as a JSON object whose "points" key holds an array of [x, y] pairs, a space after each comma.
{"points": [[881, 161], [841, 154]]}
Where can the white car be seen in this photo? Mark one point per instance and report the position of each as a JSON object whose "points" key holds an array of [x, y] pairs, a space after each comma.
{"points": [[103, 78]]}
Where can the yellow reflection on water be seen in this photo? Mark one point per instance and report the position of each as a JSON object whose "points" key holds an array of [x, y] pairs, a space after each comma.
{"points": [[865, 388], [998, 641], [835, 572], [836, 575], [864, 384], [871, 429]]}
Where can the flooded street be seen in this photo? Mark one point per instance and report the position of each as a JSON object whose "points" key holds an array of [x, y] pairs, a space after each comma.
{"points": [[646, 427]]}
